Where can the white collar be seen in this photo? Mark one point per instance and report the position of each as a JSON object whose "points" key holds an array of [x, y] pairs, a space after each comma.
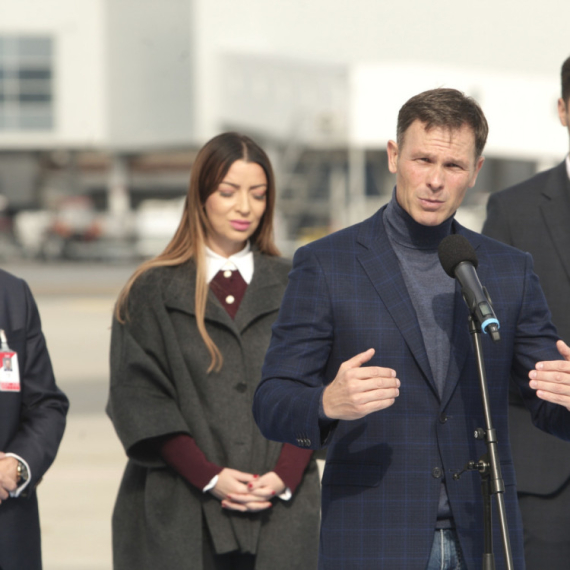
{"points": [[241, 261], [568, 165]]}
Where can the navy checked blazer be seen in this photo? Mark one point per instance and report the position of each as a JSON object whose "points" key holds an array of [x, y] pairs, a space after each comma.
{"points": [[383, 472]]}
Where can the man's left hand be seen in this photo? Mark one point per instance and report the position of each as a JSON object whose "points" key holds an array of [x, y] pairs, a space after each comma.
{"points": [[551, 379]]}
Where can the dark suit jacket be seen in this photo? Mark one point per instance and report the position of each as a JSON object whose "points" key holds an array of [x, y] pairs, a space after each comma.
{"points": [[159, 386], [32, 422], [534, 216], [382, 477]]}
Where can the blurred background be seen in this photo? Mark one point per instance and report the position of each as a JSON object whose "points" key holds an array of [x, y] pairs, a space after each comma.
{"points": [[104, 103]]}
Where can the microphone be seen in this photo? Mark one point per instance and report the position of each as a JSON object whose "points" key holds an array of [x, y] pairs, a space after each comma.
{"points": [[459, 261]]}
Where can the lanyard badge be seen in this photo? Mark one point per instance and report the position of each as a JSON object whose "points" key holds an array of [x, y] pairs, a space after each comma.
{"points": [[9, 369]]}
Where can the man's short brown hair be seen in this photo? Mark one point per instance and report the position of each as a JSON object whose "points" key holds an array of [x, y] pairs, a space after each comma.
{"points": [[565, 80], [446, 109]]}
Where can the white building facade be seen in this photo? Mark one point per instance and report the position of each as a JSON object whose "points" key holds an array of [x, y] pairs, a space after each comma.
{"points": [[124, 77]]}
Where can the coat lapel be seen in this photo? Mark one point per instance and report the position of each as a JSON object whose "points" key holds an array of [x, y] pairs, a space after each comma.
{"points": [[381, 265], [555, 209], [181, 292], [263, 295], [461, 341]]}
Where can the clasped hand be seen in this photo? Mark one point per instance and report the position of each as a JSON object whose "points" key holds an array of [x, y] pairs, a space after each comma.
{"points": [[551, 379], [243, 492], [360, 390]]}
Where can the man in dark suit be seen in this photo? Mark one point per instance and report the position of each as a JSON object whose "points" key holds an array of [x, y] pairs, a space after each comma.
{"points": [[32, 421], [534, 216], [372, 357]]}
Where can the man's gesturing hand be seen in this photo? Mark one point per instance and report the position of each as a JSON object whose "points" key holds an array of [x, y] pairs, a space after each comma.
{"points": [[360, 390], [551, 379]]}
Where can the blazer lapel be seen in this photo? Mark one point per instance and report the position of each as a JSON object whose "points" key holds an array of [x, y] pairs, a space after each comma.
{"points": [[263, 295], [460, 346], [381, 265], [555, 209], [461, 341]]}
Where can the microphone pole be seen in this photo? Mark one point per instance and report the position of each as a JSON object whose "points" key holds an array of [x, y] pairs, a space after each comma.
{"points": [[489, 466], [454, 250]]}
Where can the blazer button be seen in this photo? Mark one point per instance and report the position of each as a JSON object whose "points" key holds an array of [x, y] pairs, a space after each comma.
{"points": [[442, 418], [436, 472], [241, 387]]}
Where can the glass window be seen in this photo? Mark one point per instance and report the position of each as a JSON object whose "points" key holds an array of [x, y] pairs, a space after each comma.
{"points": [[26, 83]]}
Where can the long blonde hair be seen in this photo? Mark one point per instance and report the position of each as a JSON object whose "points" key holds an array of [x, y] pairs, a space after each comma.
{"points": [[209, 169]]}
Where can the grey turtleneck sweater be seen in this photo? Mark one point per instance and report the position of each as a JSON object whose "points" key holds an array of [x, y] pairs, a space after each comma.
{"points": [[432, 294]]}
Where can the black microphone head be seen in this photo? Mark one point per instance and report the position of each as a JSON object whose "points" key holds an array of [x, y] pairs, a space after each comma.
{"points": [[454, 249]]}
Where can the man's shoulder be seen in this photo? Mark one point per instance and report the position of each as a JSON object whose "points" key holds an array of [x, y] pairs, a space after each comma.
{"points": [[10, 283], [485, 244], [491, 248], [345, 240]]}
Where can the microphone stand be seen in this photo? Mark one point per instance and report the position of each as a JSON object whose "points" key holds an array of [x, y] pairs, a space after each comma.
{"points": [[489, 467]]}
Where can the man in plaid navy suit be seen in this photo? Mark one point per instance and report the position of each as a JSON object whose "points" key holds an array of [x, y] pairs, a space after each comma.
{"points": [[371, 356]]}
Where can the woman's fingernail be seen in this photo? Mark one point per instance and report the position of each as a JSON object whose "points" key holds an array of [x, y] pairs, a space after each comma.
{"points": [[256, 476], [273, 492]]}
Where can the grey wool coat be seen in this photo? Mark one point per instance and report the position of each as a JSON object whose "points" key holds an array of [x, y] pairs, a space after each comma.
{"points": [[159, 386]]}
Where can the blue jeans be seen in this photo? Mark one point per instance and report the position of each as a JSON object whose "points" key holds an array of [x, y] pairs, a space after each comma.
{"points": [[445, 552]]}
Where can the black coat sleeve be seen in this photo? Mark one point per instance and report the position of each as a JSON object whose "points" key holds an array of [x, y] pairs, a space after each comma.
{"points": [[37, 420]]}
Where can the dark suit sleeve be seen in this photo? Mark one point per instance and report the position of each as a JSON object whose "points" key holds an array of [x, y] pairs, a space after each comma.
{"points": [[536, 341], [497, 226], [497, 223], [44, 406], [286, 403]]}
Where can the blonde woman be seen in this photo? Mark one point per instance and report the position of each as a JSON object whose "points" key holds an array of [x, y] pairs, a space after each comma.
{"points": [[202, 488]]}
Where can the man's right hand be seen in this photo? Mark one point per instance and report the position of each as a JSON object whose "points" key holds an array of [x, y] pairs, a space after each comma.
{"points": [[360, 390]]}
